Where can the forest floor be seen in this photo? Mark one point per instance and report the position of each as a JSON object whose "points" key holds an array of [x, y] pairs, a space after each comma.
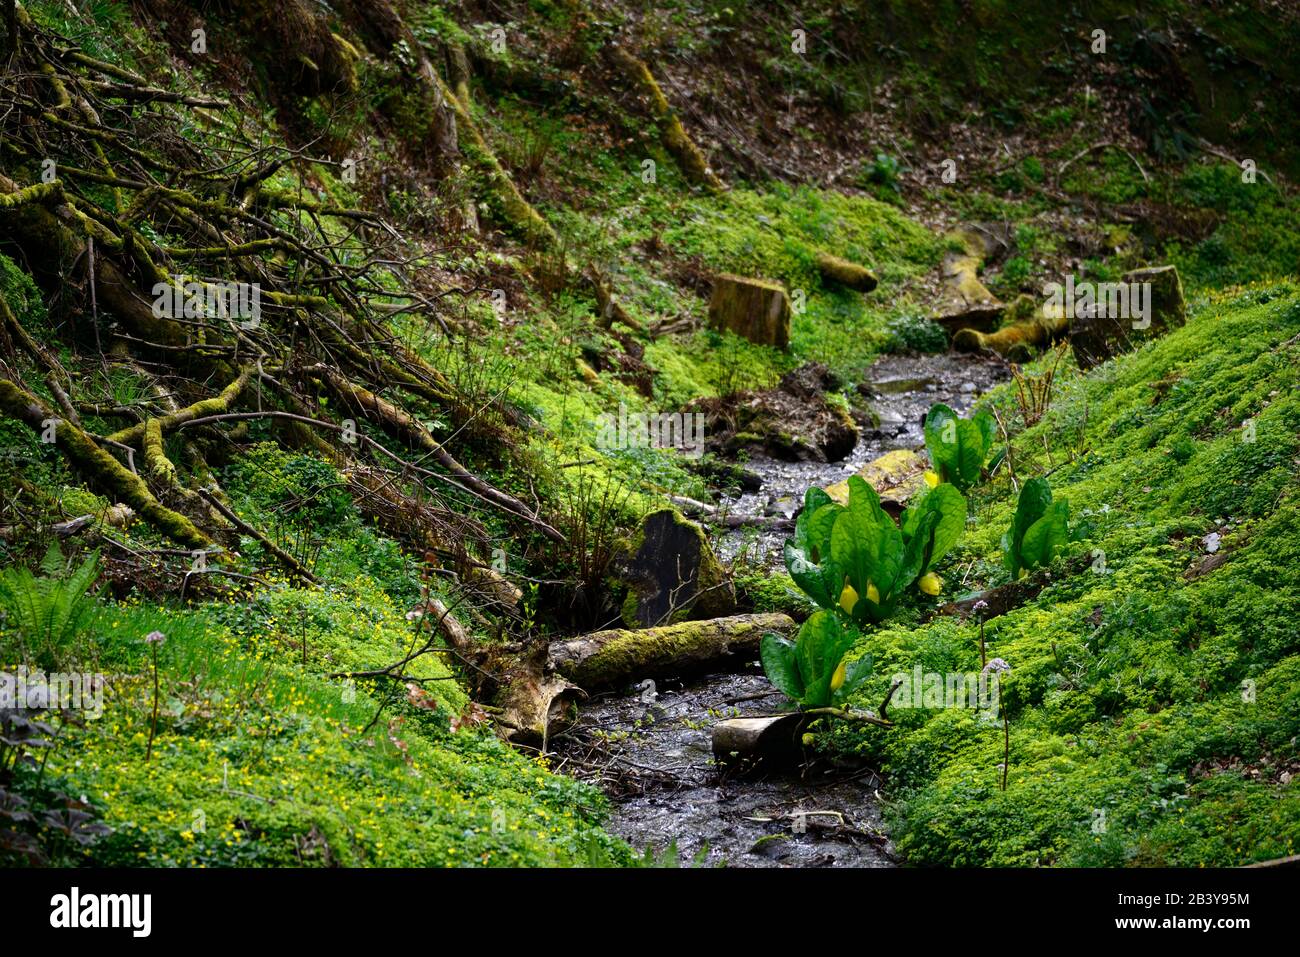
{"points": [[415, 428]]}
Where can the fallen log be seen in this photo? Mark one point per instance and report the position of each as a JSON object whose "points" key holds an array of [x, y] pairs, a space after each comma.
{"points": [[773, 736], [1004, 598], [842, 272], [780, 736], [606, 659], [1018, 341]]}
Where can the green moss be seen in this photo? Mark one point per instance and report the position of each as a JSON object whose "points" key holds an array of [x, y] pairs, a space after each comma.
{"points": [[261, 760], [773, 592]]}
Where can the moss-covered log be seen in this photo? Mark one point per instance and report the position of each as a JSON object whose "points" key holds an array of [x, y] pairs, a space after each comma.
{"points": [[896, 476], [100, 467], [458, 72], [605, 659], [1018, 341], [58, 255], [841, 272]]}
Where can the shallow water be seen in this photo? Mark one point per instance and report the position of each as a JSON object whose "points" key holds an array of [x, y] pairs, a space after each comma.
{"points": [[652, 753]]}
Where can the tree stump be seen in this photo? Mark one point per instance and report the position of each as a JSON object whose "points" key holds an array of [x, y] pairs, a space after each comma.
{"points": [[1100, 335], [757, 309]]}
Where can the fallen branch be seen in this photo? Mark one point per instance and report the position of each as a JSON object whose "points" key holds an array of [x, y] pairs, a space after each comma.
{"points": [[287, 560]]}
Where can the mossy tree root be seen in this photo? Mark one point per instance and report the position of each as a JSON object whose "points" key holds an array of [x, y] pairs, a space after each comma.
{"points": [[99, 466], [671, 132]]}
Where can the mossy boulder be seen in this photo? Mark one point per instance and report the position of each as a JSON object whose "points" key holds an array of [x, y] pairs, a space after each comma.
{"points": [[757, 309], [672, 574], [896, 476], [798, 421]]}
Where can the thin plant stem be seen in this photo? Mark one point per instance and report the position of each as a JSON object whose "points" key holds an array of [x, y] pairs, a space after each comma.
{"points": [[153, 726], [1006, 736]]}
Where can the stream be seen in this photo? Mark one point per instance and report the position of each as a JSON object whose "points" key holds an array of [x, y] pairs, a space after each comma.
{"points": [[649, 747]]}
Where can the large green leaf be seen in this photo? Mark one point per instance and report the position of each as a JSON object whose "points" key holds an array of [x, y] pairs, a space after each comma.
{"points": [[823, 641], [917, 552], [812, 527], [950, 505], [1034, 502], [958, 447], [1046, 536], [778, 657], [987, 426], [856, 673], [941, 440], [866, 545], [808, 554], [809, 577]]}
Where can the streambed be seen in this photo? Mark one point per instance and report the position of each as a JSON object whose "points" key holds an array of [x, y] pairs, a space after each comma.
{"points": [[649, 747]]}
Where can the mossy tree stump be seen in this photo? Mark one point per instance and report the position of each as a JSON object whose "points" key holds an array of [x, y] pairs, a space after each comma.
{"points": [[672, 573], [1100, 334], [757, 309]]}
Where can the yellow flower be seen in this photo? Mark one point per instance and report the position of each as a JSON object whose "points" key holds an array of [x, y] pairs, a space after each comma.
{"points": [[837, 679], [932, 479], [930, 583], [849, 597]]}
